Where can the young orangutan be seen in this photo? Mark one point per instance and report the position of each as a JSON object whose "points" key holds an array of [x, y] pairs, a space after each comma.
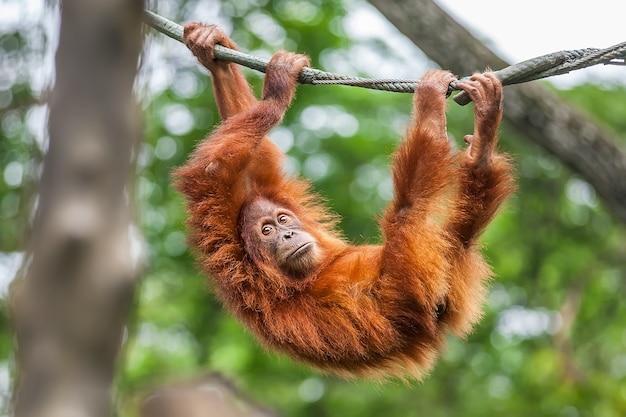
{"points": [[278, 265]]}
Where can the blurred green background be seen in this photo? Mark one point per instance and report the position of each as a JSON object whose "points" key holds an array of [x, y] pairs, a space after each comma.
{"points": [[553, 340]]}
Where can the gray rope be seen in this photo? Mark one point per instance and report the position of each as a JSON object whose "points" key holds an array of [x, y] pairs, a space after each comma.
{"points": [[555, 63]]}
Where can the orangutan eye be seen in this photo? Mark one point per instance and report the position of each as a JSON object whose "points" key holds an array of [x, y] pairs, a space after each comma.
{"points": [[266, 229], [283, 218]]}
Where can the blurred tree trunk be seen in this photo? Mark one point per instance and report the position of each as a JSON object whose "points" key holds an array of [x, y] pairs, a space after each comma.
{"points": [[73, 297], [539, 114]]}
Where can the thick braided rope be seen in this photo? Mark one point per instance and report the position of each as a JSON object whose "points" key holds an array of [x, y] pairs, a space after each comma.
{"points": [[556, 63], [307, 76]]}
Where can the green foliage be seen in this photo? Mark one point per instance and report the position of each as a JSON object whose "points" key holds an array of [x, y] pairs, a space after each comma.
{"points": [[551, 342]]}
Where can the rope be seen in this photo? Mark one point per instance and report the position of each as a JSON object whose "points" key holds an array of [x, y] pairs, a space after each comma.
{"points": [[555, 63]]}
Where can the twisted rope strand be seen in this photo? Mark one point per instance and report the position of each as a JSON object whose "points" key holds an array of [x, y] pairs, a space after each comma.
{"points": [[555, 63]]}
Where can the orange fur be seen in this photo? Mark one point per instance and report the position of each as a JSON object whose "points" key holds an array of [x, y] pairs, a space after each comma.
{"points": [[364, 310]]}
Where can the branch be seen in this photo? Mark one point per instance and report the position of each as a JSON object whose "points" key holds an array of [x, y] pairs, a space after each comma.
{"points": [[545, 119], [210, 395]]}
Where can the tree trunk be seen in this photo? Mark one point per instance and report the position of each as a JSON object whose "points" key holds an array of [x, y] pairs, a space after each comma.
{"points": [[536, 112], [73, 297]]}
